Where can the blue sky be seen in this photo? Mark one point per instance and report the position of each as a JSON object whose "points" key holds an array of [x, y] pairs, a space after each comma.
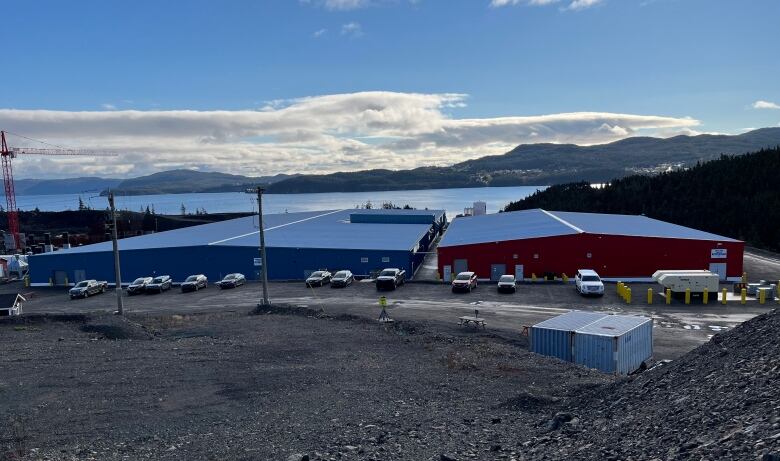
{"points": [[410, 82]]}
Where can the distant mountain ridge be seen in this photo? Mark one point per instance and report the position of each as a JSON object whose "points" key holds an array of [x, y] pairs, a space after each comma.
{"points": [[526, 164], [545, 164]]}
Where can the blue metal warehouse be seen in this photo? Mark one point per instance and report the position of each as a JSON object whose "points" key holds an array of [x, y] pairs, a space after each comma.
{"points": [[297, 243]]}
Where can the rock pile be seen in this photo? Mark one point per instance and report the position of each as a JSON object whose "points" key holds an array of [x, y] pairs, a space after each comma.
{"points": [[720, 401]]}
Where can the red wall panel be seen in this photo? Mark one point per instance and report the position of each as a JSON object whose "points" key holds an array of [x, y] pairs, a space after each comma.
{"points": [[610, 255]]}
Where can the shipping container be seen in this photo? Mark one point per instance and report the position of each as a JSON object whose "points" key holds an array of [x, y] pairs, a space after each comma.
{"points": [[553, 337], [617, 344]]}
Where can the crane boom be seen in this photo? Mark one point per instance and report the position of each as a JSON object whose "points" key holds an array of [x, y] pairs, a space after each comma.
{"points": [[8, 153]]}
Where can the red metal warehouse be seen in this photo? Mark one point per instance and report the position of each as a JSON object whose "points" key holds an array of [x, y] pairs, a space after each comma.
{"points": [[622, 247]]}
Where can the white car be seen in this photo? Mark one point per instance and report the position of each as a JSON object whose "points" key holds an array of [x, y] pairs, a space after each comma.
{"points": [[465, 281], [587, 282], [507, 284]]}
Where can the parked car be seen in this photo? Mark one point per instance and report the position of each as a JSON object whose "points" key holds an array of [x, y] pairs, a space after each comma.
{"points": [[318, 279], [465, 281], [87, 288], [587, 282], [159, 284], [507, 284], [232, 281], [341, 279], [194, 283], [138, 285], [390, 279]]}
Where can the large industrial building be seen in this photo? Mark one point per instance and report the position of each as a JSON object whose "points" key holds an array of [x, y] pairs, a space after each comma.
{"points": [[362, 241], [550, 242]]}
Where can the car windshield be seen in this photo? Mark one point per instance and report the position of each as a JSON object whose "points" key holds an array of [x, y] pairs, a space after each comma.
{"points": [[341, 274], [82, 284], [230, 276], [388, 273], [590, 278], [506, 278], [316, 274], [463, 277], [138, 281], [158, 280], [192, 278]]}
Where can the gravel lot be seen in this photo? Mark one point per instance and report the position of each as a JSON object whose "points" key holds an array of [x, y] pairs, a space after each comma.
{"points": [[235, 386]]}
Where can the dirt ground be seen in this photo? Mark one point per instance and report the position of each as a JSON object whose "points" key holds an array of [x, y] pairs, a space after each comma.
{"points": [[268, 386]]}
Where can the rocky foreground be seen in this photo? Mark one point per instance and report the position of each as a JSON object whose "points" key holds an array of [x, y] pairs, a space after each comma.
{"points": [[295, 384], [720, 401]]}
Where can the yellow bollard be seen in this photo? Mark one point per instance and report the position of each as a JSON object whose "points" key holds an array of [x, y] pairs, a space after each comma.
{"points": [[649, 296], [761, 296], [565, 278], [744, 295], [533, 276], [26, 280], [705, 299], [668, 296], [723, 300], [628, 295], [744, 277], [687, 296]]}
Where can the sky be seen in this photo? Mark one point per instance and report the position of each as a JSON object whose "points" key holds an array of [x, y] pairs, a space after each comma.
{"points": [[315, 86]]}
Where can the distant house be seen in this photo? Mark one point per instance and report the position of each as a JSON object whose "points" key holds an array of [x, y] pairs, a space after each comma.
{"points": [[11, 304]]}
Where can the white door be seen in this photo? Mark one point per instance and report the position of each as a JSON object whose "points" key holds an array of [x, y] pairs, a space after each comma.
{"points": [[519, 272], [720, 269], [447, 273]]}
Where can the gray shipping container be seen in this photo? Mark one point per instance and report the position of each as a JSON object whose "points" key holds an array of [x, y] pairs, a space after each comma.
{"points": [[615, 344], [554, 336]]}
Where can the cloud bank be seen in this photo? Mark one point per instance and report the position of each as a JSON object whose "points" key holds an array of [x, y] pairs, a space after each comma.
{"points": [[319, 134], [765, 105]]}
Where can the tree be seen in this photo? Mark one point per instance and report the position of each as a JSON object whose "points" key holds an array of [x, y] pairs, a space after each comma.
{"points": [[83, 206], [183, 210]]}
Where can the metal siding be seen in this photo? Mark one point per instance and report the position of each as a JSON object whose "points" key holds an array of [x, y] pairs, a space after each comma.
{"points": [[567, 253], [571, 321], [499, 227], [552, 342], [620, 353], [594, 351]]}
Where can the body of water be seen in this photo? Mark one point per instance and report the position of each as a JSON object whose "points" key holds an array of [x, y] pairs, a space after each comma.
{"points": [[451, 200]]}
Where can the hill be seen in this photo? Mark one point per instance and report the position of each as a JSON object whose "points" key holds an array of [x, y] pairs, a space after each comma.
{"points": [[190, 181], [545, 164], [735, 196], [63, 186]]}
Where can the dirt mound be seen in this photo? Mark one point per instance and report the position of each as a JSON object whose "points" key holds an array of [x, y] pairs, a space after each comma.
{"points": [[115, 327], [720, 401]]}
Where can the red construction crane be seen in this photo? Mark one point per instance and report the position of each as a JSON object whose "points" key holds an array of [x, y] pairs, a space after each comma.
{"points": [[7, 153]]}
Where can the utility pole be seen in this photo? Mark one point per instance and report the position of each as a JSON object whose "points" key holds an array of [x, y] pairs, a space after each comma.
{"points": [[117, 272], [263, 261]]}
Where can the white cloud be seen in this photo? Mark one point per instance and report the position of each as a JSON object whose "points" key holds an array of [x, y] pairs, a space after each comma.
{"points": [[319, 134], [319, 33], [352, 29], [577, 5], [573, 5], [108, 106], [765, 105]]}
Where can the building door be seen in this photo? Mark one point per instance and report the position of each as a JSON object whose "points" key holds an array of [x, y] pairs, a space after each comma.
{"points": [[79, 275], [460, 265], [496, 271], [519, 272], [447, 276], [720, 269], [59, 278]]}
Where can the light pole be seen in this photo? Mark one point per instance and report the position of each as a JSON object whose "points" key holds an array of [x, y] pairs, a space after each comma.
{"points": [[263, 260], [117, 272]]}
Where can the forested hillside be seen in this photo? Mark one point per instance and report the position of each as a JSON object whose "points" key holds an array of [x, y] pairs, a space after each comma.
{"points": [[735, 196]]}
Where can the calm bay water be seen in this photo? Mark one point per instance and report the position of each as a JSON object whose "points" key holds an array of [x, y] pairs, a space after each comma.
{"points": [[451, 200]]}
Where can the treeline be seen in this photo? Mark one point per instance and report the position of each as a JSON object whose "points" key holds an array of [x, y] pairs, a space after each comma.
{"points": [[734, 196]]}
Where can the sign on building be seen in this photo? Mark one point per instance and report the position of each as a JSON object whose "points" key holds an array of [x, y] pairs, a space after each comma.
{"points": [[719, 253]]}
